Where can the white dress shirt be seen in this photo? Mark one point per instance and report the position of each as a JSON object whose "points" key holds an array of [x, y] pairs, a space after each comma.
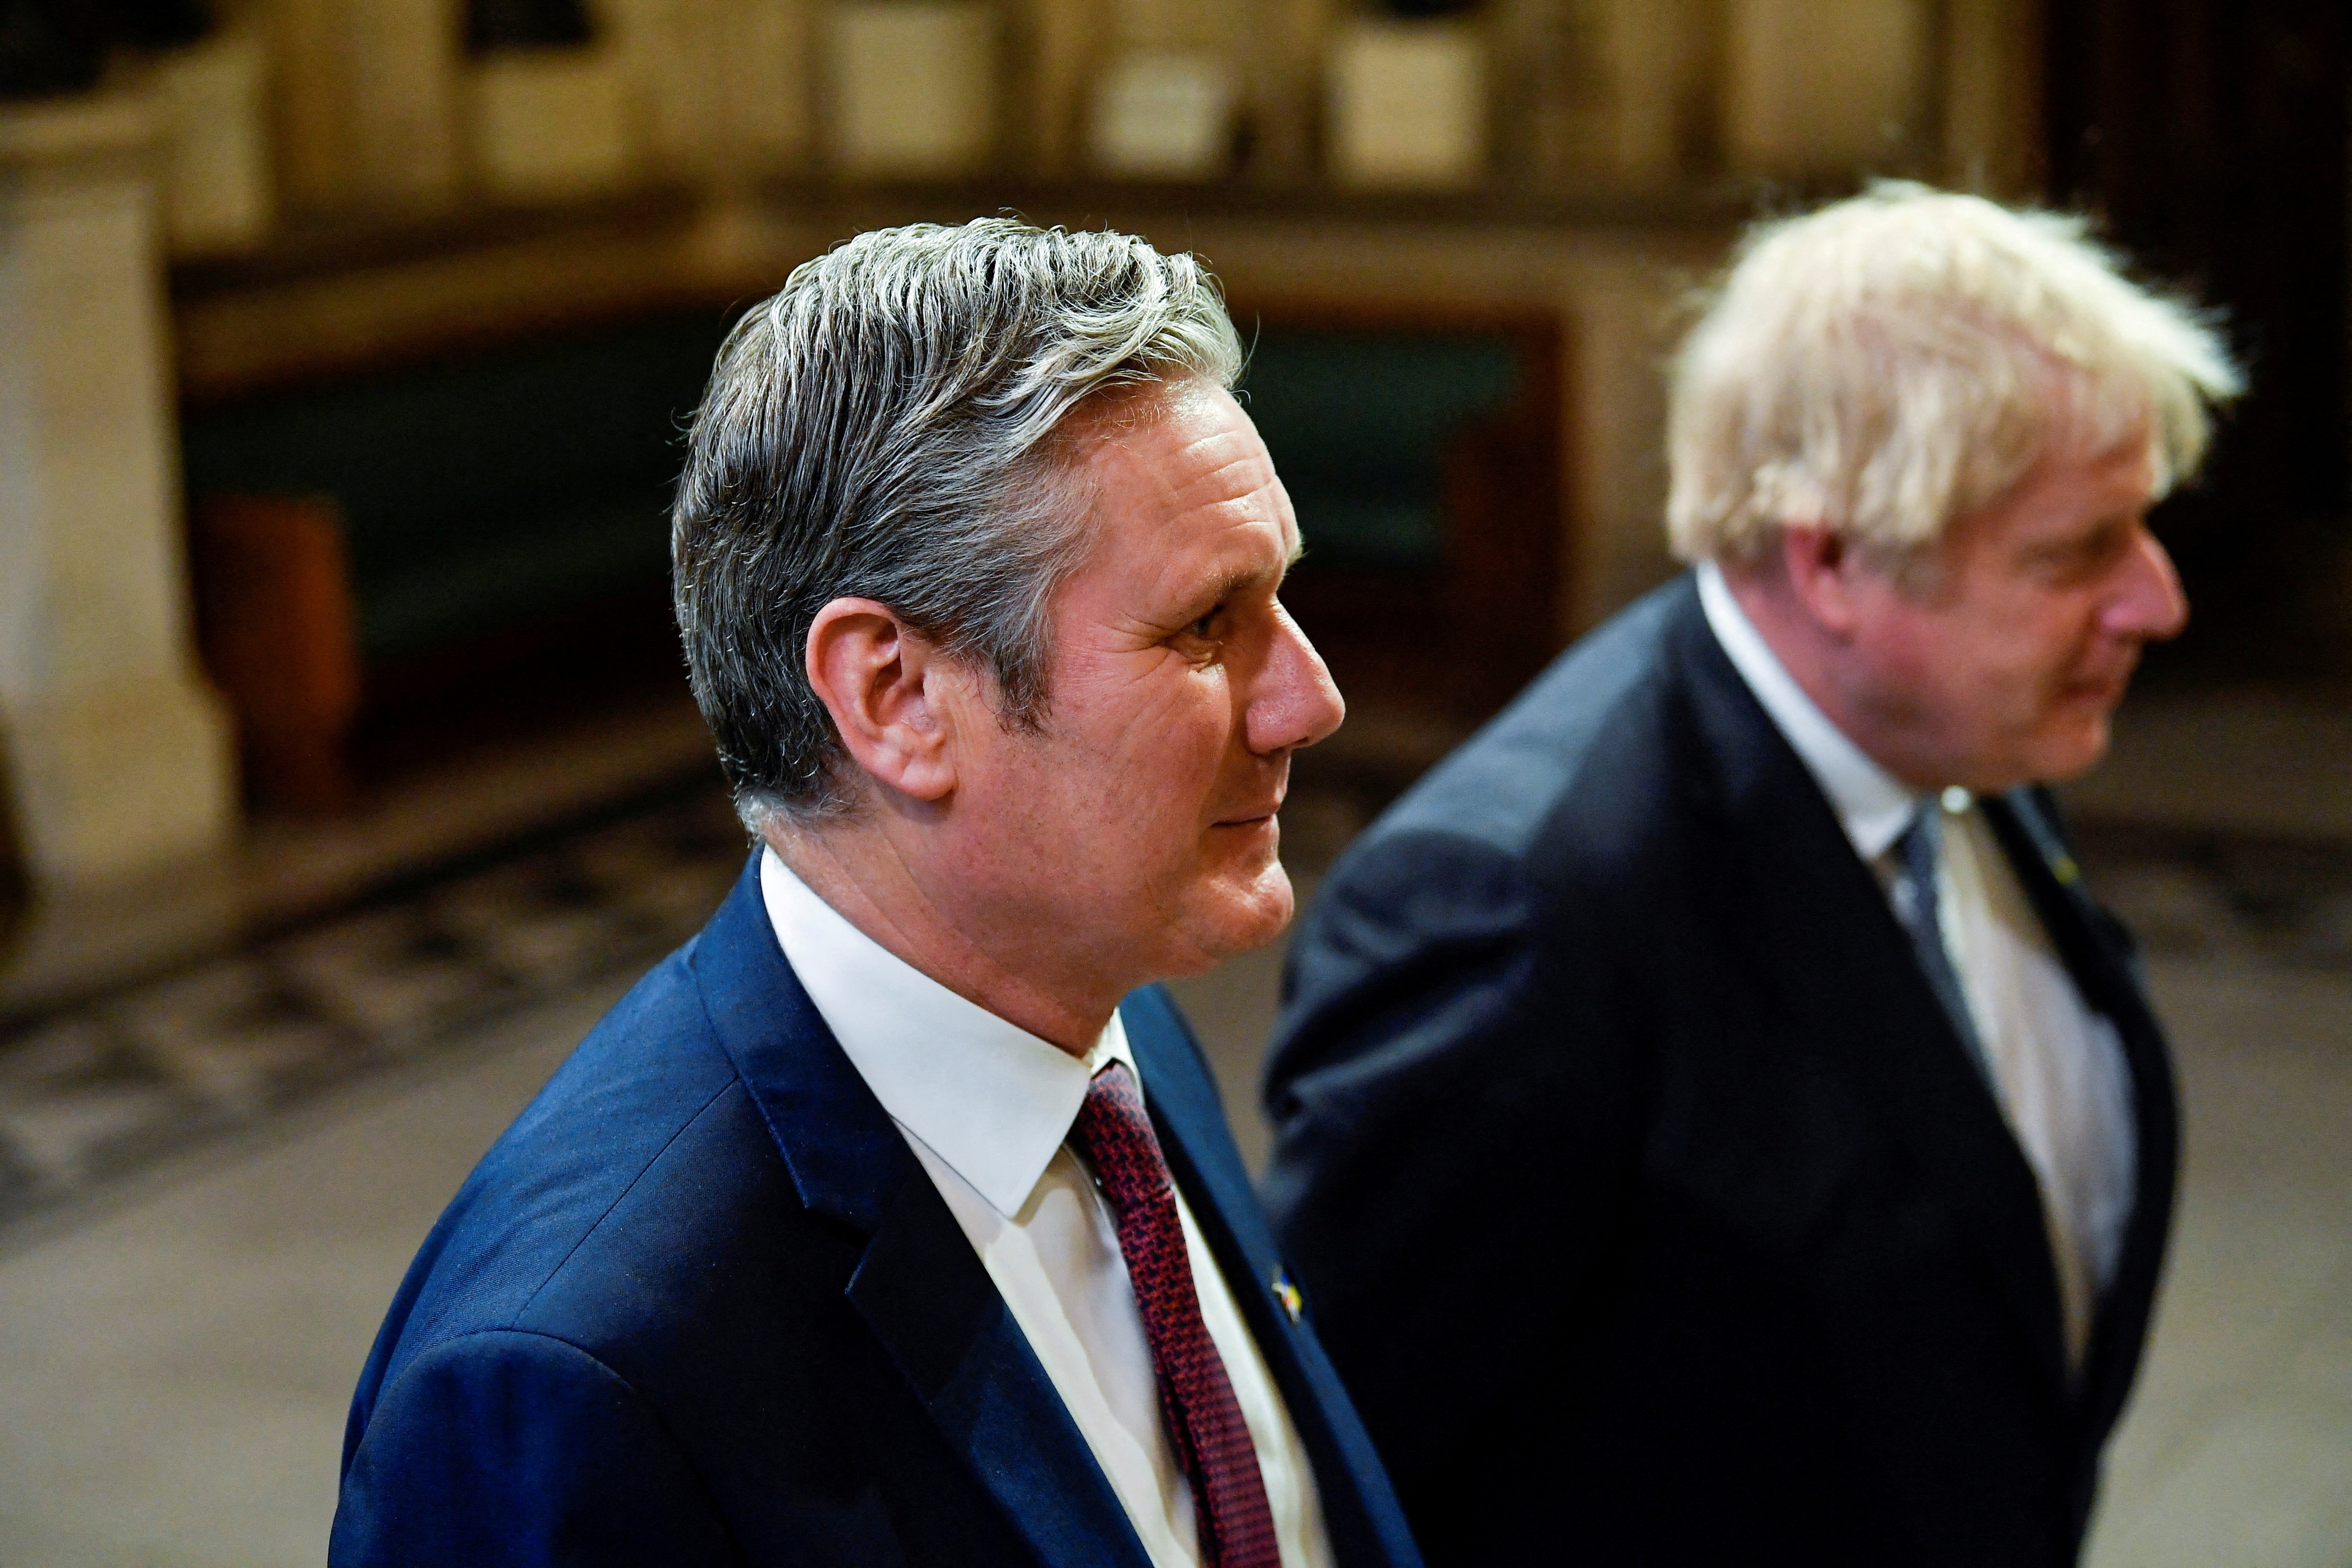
{"points": [[2057, 1064], [986, 1107]]}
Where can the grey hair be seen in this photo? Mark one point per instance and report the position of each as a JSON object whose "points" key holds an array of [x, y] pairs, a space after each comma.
{"points": [[883, 428], [1895, 360]]}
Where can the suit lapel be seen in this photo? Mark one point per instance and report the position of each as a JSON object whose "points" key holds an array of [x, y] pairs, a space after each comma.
{"points": [[929, 1299], [1360, 1513], [919, 1285], [1824, 943]]}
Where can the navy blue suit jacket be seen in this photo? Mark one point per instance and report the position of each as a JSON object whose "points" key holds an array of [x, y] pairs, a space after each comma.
{"points": [[700, 1305], [1648, 1202]]}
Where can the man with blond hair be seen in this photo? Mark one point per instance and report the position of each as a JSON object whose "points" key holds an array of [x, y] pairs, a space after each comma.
{"points": [[1716, 1124]]}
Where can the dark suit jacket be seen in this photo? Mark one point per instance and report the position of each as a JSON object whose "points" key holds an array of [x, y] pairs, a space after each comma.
{"points": [[700, 1305], [1651, 1208]]}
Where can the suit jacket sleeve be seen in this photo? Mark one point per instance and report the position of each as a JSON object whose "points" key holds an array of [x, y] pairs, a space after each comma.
{"points": [[503, 1449], [1455, 1114]]}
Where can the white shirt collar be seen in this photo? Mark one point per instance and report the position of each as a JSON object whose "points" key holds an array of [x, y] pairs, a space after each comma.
{"points": [[989, 1099], [1872, 804]]}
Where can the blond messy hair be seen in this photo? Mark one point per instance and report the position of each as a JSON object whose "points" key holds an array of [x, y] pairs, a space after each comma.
{"points": [[1895, 360]]}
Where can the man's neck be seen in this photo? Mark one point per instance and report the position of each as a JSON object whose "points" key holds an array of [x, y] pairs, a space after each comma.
{"points": [[861, 869], [1813, 658]]}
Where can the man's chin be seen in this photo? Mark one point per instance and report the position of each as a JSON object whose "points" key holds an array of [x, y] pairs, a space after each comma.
{"points": [[1244, 914], [2073, 752]]}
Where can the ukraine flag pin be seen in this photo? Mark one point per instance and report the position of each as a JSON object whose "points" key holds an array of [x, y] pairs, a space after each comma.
{"points": [[1287, 1294]]}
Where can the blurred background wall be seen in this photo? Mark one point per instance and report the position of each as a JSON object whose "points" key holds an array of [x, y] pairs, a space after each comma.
{"points": [[365, 326]]}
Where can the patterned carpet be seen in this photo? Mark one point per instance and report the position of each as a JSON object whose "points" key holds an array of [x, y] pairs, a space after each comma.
{"points": [[92, 1094]]}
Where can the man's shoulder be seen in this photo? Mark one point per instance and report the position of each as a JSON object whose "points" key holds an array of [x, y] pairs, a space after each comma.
{"points": [[1590, 737], [1560, 824], [644, 1151]]}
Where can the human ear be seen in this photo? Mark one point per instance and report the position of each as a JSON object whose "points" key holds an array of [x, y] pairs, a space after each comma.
{"points": [[882, 682], [1822, 570]]}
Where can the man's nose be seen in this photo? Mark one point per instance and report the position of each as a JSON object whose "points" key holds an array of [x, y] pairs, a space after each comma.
{"points": [[2150, 604], [1294, 702]]}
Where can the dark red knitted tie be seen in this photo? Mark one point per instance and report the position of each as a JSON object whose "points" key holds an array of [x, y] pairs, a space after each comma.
{"points": [[1196, 1399]]}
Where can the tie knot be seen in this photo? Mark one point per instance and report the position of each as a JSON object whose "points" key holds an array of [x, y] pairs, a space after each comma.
{"points": [[1115, 1131]]}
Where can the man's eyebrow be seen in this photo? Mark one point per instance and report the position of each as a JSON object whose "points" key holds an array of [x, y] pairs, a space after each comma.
{"points": [[1241, 575], [1234, 579]]}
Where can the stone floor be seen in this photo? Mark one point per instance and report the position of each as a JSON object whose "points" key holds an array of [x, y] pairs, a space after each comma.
{"points": [[2237, 1452], [210, 1180]]}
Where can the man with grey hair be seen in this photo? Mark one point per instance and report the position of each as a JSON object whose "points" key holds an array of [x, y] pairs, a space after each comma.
{"points": [[894, 1218], [1715, 1124]]}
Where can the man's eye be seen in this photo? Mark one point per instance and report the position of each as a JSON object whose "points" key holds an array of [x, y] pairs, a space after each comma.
{"points": [[1207, 627]]}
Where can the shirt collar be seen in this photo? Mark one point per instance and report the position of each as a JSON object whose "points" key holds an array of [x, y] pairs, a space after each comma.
{"points": [[1872, 804], [991, 1100]]}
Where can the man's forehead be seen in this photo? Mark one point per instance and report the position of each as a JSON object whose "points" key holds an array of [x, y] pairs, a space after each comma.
{"points": [[1236, 538], [2121, 473], [1189, 448]]}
